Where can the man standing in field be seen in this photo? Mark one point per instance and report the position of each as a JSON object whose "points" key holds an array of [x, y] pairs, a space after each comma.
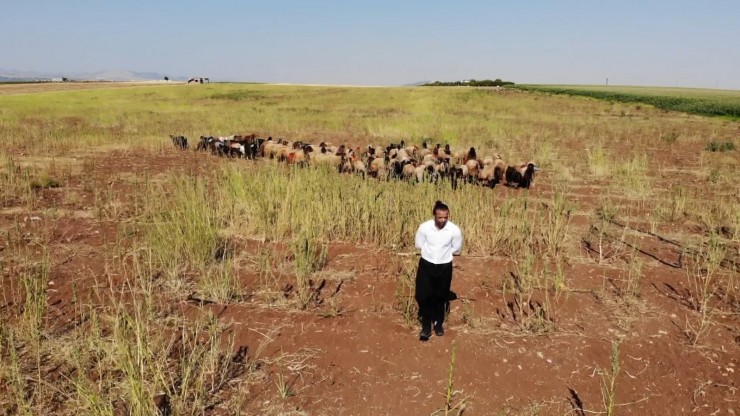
{"points": [[438, 239]]}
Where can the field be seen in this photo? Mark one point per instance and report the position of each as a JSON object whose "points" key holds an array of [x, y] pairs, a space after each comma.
{"points": [[138, 279], [691, 100]]}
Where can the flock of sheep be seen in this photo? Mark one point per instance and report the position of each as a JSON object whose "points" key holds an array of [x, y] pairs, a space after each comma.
{"points": [[394, 161]]}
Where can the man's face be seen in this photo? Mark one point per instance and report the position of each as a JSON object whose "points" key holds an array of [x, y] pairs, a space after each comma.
{"points": [[440, 218]]}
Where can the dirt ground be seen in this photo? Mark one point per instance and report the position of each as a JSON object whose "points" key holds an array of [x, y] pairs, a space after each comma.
{"points": [[35, 87], [364, 360]]}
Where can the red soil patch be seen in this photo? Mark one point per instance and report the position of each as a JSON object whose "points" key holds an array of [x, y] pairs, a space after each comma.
{"points": [[365, 360]]}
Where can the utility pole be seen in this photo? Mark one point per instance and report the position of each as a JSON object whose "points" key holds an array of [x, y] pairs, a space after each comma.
{"points": [[607, 81]]}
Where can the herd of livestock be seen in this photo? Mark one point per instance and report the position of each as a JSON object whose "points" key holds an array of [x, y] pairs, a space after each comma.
{"points": [[394, 161]]}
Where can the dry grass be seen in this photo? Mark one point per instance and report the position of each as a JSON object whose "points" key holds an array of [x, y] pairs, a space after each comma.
{"points": [[131, 351]]}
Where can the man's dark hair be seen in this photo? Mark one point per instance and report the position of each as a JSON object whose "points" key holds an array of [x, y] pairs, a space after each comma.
{"points": [[439, 206]]}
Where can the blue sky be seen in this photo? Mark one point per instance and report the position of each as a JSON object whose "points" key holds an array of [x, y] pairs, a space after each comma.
{"points": [[651, 43]]}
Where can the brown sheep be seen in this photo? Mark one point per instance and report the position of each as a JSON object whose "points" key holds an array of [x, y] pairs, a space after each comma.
{"points": [[473, 167], [493, 171], [265, 146], [486, 173], [425, 170], [376, 166], [408, 171], [300, 157]]}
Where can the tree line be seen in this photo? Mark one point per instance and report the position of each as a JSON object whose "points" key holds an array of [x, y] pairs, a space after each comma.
{"points": [[470, 83]]}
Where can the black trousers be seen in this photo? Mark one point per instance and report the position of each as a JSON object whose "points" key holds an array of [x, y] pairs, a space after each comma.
{"points": [[433, 292]]}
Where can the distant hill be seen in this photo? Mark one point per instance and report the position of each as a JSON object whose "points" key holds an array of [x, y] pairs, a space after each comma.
{"points": [[14, 75]]}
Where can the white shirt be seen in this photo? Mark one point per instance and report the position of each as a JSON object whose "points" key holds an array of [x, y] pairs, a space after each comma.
{"points": [[437, 246]]}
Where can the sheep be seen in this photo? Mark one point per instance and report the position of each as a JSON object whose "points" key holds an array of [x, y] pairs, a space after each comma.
{"points": [[459, 172], [425, 150], [327, 148], [216, 146], [279, 150], [473, 168], [180, 142], [346, 165], [399, 169], [370, 151], [282, 152], [499, 170], [235, 147], [486, 174], [301, 156], [442, 169], [439, 153], [460, 155], [403, 154], [522, 175], [266, 146], [411, 150], [358, 165], [203, 143], [408, 169], [429, 158], [376, 165], [252, 148], [325, 159], [427, 170]]}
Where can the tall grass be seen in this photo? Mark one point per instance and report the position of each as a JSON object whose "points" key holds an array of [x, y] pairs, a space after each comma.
{"points": [[277, 203], [182, 224], [35, 282], [703, 273], [405, 273], [609, 381], [309, 256], [130, 354]]}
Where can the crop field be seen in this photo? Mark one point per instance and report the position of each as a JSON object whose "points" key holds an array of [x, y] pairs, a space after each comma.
{"points": [[691, 100], [137, 278]]}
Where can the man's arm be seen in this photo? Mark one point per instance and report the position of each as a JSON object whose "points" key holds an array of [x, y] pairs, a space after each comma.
{"points": [[419, 241], [457, 241]]}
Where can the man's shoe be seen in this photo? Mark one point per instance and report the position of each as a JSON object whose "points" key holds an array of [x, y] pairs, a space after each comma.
{"points": [[425, 334], [438, 330]]}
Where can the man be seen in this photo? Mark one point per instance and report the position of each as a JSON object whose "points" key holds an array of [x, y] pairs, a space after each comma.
{"points": [[438, 239]]}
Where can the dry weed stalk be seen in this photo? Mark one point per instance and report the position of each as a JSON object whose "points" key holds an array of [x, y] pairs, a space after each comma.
{"points": [[702, 271]]}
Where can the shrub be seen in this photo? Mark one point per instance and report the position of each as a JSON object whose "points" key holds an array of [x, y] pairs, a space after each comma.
{"points": [[719, 147]]}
